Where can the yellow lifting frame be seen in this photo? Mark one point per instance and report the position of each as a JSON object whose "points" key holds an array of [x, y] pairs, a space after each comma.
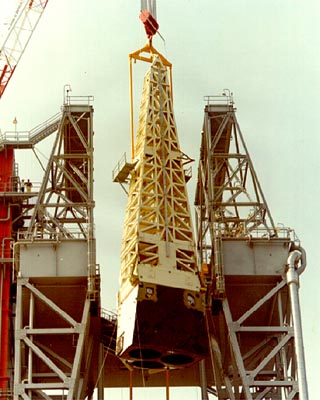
{"points": [[137, 55]]}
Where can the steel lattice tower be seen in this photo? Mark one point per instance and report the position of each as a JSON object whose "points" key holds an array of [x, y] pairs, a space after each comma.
{"points": [[158, 259], [57, 312], [158, 221], [251, 269]]}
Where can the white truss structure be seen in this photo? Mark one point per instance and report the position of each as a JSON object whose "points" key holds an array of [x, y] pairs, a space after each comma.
{"points": [[251, 270], [58, 281], [158, 228]]}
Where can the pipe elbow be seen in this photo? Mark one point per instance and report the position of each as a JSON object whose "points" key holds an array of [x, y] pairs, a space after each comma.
{"points": [[298, 254]]}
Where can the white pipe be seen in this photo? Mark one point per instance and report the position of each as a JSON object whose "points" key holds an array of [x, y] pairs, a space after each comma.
{"points": [[5, 219], [30, 355], [3, 245], [303, 259], [203, 380], [293, 272]]}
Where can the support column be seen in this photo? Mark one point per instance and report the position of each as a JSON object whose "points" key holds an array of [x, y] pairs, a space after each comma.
{"points": [[293, 283]]}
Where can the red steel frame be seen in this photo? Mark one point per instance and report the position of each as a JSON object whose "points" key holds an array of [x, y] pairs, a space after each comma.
{"points": [[6, 170]]}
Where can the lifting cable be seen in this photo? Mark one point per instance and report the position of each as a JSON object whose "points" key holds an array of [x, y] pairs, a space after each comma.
{"points": [[139, 341], [105, 356]]}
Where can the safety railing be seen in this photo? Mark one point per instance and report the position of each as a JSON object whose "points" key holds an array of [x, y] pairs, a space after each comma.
{"points": [[32, 137], [14, 186], [226, 98], [6, 394], [109, 315], [84, 100], [281, 232], [46, 128], [73, 232], [14, 136], [120, 164]]}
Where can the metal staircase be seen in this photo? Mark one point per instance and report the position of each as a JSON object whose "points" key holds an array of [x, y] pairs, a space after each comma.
{"points": [[28, 139]]}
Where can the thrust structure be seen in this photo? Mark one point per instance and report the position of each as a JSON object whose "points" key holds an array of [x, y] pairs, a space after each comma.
{"points": [[161, 319], [55, 281], [251, 269]]}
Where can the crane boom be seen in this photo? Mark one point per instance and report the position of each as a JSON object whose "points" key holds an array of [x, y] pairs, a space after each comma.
{"points": [[21, 29]]}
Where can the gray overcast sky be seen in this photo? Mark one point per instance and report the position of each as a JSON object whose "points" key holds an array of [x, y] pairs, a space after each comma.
{"points": [[265, 51]]}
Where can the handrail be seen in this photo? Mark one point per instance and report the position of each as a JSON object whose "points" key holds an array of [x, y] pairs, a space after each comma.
{"points": [[24, 137], [85, 100], [223, 99], [119, 165], [109, 315], [46, 124], [261, 233], [14, 185]]}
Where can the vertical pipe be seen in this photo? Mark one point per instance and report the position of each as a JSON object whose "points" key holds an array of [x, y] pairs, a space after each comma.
{"points": [[17, 341], [5, 294], [167, 385], [91, 239], [30, 356], [131, 384], [6, 170], [203, 380], [293, 283], [131, 109]]}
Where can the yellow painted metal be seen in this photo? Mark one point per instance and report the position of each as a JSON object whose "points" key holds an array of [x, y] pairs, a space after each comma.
{"points": [[148, 48], [137, 56], [158, 227], [131, 109]]}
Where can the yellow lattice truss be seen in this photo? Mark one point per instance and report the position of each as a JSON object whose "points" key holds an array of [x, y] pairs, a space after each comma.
{"points": [[158, 229]]}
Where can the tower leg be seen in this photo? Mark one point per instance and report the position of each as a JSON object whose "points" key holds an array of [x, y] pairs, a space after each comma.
{"points": [[293, 283]]}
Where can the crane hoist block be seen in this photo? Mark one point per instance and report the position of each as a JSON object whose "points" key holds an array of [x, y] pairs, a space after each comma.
{"points": [[150, 24]]}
